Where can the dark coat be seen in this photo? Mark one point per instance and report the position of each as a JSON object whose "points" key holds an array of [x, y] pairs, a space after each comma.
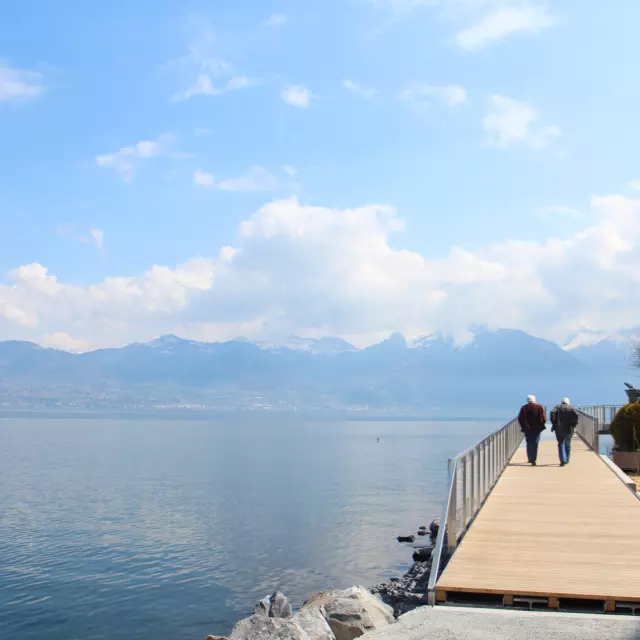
{"points": [[564, 419], [532, 418]]}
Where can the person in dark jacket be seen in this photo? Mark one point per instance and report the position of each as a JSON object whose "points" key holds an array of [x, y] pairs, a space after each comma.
{"points": [[532, 419], [564, 419]]}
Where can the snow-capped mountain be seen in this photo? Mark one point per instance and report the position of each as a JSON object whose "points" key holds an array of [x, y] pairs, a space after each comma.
{"points": [[607, 352]]}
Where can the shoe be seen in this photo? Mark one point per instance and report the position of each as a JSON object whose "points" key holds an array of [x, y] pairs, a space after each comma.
{"points": [[533, 464], [562, 464]]}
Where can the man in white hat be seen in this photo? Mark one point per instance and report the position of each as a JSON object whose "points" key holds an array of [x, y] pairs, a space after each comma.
{"points": [[564, 419]]}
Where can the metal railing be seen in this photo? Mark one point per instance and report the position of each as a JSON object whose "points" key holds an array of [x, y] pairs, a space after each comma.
{"points": [[588, 428], [472, 475], [603, 413]]}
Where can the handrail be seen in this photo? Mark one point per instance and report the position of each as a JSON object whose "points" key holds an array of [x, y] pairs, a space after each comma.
{"points": [[472, 476], [603, 413], [588, 428]]}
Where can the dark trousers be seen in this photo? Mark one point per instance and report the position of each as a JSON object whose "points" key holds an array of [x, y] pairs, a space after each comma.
{"points": [[564, 446], [532, 439]]}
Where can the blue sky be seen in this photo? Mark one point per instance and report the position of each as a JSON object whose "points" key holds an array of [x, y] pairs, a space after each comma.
{"points": [[369, 165]]}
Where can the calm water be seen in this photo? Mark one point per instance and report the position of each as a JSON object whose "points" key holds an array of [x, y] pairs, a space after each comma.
{"points": [[172, 530]]}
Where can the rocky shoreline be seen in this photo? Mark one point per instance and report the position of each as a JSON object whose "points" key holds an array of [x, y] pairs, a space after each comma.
{"points": [[343, 614]]}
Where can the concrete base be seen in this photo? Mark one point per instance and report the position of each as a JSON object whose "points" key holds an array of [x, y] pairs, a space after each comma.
{"points": [[462, 623]]}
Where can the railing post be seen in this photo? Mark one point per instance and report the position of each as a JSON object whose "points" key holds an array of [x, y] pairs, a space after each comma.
{"points": [[465, 499], [473, 484], [452, 516]]}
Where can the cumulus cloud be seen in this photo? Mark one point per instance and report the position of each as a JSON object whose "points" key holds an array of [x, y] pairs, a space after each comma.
{"points": [[256, 178], [276, 20], [502, 22], [304, 269], [64, 341], [126, 159], [17, 85], [368, 93], [297, 95], [635, 185], [424, 95], [290, 171], [510, 122]]}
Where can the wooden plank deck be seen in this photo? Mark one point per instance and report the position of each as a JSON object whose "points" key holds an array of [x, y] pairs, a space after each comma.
{"points": [[552, 532]]}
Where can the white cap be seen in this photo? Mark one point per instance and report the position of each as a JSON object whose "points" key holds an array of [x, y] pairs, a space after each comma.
{"points": [[565, 401], [531, 398]]}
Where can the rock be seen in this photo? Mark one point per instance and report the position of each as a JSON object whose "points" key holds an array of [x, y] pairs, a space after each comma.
{"points": [[280, 607], [406, 538], [313, 624], [354, 611], [434, 527], [262, 607], [258, 627], [318, 600], [422, 528], [216, 638], [274, 606], [422, 554], [422, 532]]}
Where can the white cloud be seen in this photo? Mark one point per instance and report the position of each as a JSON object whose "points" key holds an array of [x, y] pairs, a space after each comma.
{"points": [[424, 95], [560, 210], [635, 185], [204, 179], [125, 160], [97, 236], [509, 122], [255, 179], [276, 20], [297, 95], [486, 21], [208, 74], [62, 340], [17, 85], [360, 90], [290, 171], [316, 270], [504, 21]]}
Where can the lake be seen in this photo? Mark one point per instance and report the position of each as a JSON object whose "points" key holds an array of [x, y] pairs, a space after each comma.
{"points": [[172, 530]]}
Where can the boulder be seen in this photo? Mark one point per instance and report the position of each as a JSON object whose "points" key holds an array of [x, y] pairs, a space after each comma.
{"points": [[259, 627], [434, 527], [354, 611], [262, 607], [313, 624], [422, 528], [280, 607], [319, 599], [274, 606], [216, 638], [406, 538], [422, 554], [422, 532]]}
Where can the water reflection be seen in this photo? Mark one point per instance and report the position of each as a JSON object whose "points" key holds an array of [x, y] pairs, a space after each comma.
{"points": [[174, 529]]}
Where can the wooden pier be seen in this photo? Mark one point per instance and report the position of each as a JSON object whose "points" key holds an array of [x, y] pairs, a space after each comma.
{"points": [[551, 536]]}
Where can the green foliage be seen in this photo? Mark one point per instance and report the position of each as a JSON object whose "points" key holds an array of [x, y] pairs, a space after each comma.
{"points": [[625, 428]]}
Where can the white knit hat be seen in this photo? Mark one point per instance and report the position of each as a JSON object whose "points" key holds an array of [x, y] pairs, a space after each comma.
{"points": [[531, 398], [565, 401]]}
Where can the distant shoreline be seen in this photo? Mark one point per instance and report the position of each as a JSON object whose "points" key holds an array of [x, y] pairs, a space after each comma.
{"points": [[218, 416]]}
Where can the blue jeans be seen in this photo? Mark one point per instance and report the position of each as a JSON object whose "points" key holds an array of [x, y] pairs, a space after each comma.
{"points": [[564, 446], [532, 445]]}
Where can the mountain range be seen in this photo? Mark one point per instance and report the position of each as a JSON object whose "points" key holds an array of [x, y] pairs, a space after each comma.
{"points": [[493, 371]]}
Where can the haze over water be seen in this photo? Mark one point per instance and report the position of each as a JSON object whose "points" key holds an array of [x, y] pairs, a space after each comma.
{"points": [[173, 529]]}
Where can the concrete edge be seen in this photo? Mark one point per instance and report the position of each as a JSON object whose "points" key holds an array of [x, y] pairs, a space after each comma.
{"points": [[631, 485]]}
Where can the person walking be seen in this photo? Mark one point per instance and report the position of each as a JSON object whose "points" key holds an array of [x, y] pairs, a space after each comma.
{"points": [[564, 419], [532, 419]]}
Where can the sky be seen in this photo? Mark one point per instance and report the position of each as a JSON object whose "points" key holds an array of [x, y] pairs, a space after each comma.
{"points": [[337, 167]]}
